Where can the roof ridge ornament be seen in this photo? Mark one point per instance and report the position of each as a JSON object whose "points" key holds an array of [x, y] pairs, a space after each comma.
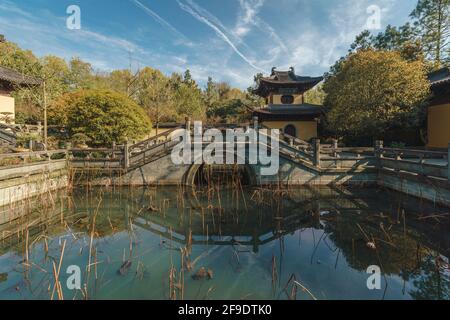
{"points": [[273, 71]]}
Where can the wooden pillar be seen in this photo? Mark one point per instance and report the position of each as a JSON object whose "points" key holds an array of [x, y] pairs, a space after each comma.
{"points": [[448, 162], [45, 116], [316, 145]]}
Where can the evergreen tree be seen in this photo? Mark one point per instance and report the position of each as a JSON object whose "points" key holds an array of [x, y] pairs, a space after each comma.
{"points": [[432, 21], [187, 78]]}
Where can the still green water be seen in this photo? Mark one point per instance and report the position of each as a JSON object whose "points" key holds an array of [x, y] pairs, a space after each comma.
{"points": [[252, 244]]}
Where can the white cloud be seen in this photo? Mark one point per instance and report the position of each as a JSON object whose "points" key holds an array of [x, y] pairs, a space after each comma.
{"points": [[218, 31], [161, 21], [248, 19], [282, 33], [249, 10]]}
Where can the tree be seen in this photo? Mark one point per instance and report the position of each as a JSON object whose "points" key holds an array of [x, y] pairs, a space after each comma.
{"points": [[427, 37], [401, 39], [103, 116], [228, 111], [373, 91], [187, 78], [211, 93], [188, 98], [227, 104], [432, 22], [23, 61], [315, 95], [154, 94], [189, 102], [80, 74], [164, 98], [363, 41], [56, 74], [123, 81]]}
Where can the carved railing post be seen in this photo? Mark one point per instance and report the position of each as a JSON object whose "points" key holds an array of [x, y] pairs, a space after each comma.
{"points": [[114, 148], [39, 125], [335, 145], [255, 123], [68, 151], [188, 124], [316, 146], [126, 155], [379, 152], [379, 145]]}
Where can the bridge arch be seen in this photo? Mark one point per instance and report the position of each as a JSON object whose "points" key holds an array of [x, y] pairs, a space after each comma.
{"points": [[247, 171]]}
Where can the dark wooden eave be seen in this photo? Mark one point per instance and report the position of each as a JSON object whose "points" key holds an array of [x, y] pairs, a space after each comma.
{"points": [[440, 86], [305, 112], [11, 79]]}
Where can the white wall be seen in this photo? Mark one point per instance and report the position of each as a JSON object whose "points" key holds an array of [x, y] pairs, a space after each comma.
{"points": [[7, 105]]}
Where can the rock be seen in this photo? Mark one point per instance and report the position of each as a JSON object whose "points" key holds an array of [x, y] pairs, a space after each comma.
{"points": [[210, 274], [152, 209], [371, 245], [3, 277], [177, 286], [124, 268], [202, 273]]}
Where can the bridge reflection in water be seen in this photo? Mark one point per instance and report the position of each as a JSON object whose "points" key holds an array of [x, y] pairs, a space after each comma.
{"points": [[257, 216], [336, 224]]}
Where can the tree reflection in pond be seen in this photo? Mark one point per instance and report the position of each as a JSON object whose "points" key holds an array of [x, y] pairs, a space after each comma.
{"points": [[251, 243]]}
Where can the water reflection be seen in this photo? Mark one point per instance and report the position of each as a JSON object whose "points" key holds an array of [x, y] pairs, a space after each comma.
{"points": [[226, 244]]}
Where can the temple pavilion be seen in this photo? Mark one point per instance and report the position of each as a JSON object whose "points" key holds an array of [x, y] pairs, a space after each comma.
{"points": [[439, 109], [10, 80], [285, 108]]}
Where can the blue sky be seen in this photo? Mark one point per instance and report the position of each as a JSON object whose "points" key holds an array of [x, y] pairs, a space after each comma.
{"points": [[230, 40]]}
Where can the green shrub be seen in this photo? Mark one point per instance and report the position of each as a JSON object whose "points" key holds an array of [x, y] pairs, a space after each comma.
{"points": [[101, 115]]}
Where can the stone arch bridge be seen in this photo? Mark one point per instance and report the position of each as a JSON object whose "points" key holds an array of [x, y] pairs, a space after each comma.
{"points": [[150, 163]]}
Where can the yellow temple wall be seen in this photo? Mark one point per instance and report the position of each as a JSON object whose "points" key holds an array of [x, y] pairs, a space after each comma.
{"points": [[276, 99], [306, 130], [7, 107], [438, 126]]}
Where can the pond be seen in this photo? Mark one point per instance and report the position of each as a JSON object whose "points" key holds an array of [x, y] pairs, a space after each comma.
{"points": [[218, 243]]}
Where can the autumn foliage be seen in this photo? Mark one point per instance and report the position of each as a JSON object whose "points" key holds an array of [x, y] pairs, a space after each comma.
{"points": [[373, 91]]}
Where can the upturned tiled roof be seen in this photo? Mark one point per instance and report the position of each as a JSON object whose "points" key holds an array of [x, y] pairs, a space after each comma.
{"points": [[17, 78], [439, 76], [290, 77]]}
